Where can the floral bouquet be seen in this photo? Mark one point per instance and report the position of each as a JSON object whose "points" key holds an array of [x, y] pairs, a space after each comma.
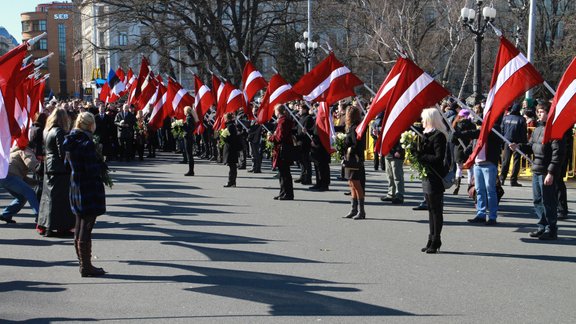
{"points": [[178, 129], [269, 147], [339, 146], [409, 142], [223, 135]]}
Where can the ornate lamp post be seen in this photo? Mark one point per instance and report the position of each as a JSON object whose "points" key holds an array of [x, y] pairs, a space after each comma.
{"points": [[473, 20], [307, 48]]}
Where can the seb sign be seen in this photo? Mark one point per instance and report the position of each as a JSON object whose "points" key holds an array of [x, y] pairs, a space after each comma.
{"points": [[60, 16]]}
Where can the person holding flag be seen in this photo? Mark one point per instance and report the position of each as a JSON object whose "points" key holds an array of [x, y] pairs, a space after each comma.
{"points": [[548, 159], [354, 163], [283, 150]]}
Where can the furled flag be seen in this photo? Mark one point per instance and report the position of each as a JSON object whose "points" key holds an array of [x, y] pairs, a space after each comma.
{"points": [[381, 99], [116, 82], [329, 82], [10, 64], [252, 82], [279, 92], [203, 99], [414, 91], [512, 76], [562, 114], [160, 110], [177, 99], [137, 86], [39, 103], [325, 127]]}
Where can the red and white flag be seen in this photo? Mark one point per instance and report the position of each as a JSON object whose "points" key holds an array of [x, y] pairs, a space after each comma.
{"points": [[279, 92], [513, 75], [104, 93], [328, 82], [147, 91], [252, 82], [224, 89], [325, 127], [562, 114], [178, 98], [160, 110], [381, 99], [414, 91], [129, 81], [235, 99], [137, 86], [203, 99]]}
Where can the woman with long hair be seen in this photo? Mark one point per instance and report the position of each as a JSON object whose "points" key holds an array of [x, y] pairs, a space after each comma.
{"points": [[87, 195], [431, 154], [55, 214], [354, 154]]}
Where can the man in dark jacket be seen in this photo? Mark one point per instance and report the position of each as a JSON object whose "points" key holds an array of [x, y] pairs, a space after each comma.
{"points": [[125, 122], [515, 130], [546, 168], [304, 142], [255, 141], [104, 130]]}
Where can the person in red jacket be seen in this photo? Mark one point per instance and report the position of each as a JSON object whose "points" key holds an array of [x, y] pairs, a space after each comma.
{"points": [[283, 152]]}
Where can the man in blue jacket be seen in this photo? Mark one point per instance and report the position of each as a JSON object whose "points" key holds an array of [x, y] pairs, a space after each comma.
{"points": [[515, 130]]}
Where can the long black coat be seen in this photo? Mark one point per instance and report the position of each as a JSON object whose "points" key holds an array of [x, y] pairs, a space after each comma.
{"points": [[431, 154], [231, 144], [87, 195]]}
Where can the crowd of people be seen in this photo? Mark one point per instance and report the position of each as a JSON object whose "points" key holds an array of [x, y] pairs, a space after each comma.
{"points": [[60, 171]]}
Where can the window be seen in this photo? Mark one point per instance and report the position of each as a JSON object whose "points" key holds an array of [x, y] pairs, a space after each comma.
{"points": [[101, 39], [42, 25], [102, 65], [26, 26], [123, 39], [43, 44], [62, 57]]}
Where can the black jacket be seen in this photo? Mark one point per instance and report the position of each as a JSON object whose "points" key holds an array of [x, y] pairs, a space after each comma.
{"points": [[548, 158], [358, 146], [54, 146], [514, 128], [431, 153], [231, 144]]}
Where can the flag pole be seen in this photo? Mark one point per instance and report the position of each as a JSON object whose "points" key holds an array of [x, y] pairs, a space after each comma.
{"points": [[450, 126], [463, 105], [552, 91]]}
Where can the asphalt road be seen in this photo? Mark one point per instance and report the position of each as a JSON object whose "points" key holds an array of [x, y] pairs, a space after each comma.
{"points": [[184, 249]]}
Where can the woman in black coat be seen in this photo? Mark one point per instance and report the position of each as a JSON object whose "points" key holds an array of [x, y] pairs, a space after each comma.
{"points": [[55, 213], [87, 195], [283, 155], [431, 154], [189, 127], [230, 150], [462, 123], [354, 151]]}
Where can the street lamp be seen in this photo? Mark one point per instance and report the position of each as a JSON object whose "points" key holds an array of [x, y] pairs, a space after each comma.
{"points": [[307, 48], [473, 20]]}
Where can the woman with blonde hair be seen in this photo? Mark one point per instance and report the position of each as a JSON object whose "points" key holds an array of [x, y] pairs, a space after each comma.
{"points": [[55, 214], [87, 196], [431, 154], [353, 162]]}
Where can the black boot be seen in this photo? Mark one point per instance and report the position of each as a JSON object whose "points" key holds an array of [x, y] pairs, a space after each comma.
{"points": [[354, 209], [428, 244], [458, 181], [85, 256], [435, 246], [361, 213]]}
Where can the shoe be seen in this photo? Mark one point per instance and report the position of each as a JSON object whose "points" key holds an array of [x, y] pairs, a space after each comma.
{"points": [[562, 216], [347, 193], [250, 171], [85, 256], [257, 171], [491, 222], [242, 167], [386, 198], [477, 220], [434, 247], [515, 184], [420, 207], [428, 244], [285, 198], [41, 230], [548, 236], [361, 213], [397, 201], [354, 210], [189, 174], [537, 233], [306, 183], [8, 221], [276, 197], [298, 180], [230, 185], [322, 189]]}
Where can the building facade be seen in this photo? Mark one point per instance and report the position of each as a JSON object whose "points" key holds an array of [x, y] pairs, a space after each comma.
{"points": [[59, 21]]}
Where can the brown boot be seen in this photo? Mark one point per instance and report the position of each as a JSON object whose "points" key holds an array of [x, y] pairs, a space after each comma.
{"points": [[85, 256]]}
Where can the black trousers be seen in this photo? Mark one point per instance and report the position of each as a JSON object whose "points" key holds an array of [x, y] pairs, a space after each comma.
{"points": [[561, 190], [256, 152], [305, 167], [232, 172], [435, 203], [506, 157], [286, 185], [189, 147], [322, 170], [126, 149]]}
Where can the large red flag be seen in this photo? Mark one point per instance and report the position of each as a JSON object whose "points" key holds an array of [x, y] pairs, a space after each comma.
{"points": [[129, 80], [252, 82], [160, 110], [203, 99], [223, 94], [235, 100], [279, 92], [147, 91], [381, 99], [513, 75], [10, 64], [328, 82], [137, 86], [414, 91], [178, 98], [325, 127], [562, 114], [104, 93]]}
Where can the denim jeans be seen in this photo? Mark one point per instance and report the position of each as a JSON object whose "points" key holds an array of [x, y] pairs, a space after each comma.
{"points": [[22, 193], [485, 185], [545, 202]]}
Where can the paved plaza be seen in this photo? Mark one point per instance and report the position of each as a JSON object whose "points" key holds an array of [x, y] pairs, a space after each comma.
{"points": [[186, 250]]}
